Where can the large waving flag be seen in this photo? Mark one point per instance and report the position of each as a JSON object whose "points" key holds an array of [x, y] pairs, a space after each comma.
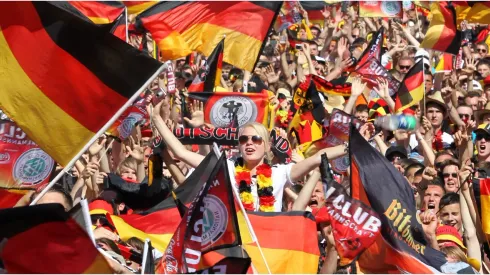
{"points": [[49, 240], [220, 107], [99, 12], [136, 7], [402, 245], [182, 27], [209, 76], [373, 49], [479, 12], [412, 88], [54, 77], [443, 34]]}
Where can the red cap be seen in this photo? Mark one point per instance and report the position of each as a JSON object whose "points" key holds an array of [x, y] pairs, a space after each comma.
{"points": [[100, 207], [450, 236]]}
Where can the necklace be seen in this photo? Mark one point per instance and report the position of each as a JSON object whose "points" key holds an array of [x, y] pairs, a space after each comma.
{"points": [[264, 187]]}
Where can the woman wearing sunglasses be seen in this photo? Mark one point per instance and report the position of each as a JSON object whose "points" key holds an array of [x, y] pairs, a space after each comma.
{"points": [[260, 185]]}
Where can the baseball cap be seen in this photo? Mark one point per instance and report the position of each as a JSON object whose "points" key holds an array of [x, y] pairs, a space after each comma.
{"points": [[483, 128], [450, 236], [396, 150], [285, 92]]}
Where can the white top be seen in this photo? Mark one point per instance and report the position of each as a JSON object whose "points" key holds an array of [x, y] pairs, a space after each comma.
{"points": [[281, 178]]}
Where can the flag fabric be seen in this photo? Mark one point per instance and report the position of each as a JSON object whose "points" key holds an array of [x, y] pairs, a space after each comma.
{"points": [[228, 265], [383, 9], [119, 27], [294, 256], [462, 8], [402, 245], [485, 204], [373, 49], [22, 162], [445, 64], [371, 70], [213, 209], [479, 12], [209, 76], [443, 34], [99, 12], [10, 196], [49, 242], [355, 226], [308, 119], [331, 87], [48, 52], [314, 9], [412, 88], [125, 123], [182, 27], [378, 107], [219, 108], [136, 7], [288, 15]]}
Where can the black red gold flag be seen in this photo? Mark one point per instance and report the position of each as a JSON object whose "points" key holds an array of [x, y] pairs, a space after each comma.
{"points": [[411, 89], [228, 265], [182, 27], [479, 12], [136, 7], [373, 49], [331, 87], [99, 12], [378, 107], [51, 63], [402, 245], [209, 76], [119, 28], [49, 240], [10, 196], [220, 107], [443, 34]]}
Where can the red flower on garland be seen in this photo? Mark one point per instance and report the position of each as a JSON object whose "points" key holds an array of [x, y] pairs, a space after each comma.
{"points": [[265, 170], [267, 200]]}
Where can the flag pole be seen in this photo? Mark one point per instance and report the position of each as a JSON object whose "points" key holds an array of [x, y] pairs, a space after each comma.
{"points": [[87, 221], [127, 24], [145, 256], [423, 68], [252, 232], [98, 134]]}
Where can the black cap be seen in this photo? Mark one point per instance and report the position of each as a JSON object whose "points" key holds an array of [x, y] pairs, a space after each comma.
{"points": [[396, 150]]}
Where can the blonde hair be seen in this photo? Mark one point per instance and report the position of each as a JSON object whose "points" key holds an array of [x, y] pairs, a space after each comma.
{"points": [[264, 134], [237, 85], [128, 163], [454, 252]]}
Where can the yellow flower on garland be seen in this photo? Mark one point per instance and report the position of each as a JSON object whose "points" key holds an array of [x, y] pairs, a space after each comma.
{"points": [[264, 181], [265, 208], [246, 197]]}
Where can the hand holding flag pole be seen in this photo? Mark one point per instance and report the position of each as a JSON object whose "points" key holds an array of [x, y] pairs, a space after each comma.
{"points": [[99, 133]]}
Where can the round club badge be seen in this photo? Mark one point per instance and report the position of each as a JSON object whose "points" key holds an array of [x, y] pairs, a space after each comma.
{"points": [[215, 220], [222, 112], [390, 8], [33, 167]]}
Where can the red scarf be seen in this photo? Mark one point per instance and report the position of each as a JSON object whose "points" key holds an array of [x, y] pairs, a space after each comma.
{"points": [[437, 141]]}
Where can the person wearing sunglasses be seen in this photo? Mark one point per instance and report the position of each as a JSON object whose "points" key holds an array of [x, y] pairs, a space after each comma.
{"points": [[482, 49], [254, 170], [482, 142], [404, 65], [450, 175]]}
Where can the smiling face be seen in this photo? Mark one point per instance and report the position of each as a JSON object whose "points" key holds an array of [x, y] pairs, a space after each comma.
{"points": [[450, 176], [451, 215], [317, 199], [253, 149]]}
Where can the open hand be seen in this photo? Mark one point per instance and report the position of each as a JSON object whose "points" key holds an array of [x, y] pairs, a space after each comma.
{"points": [[197, 114]]}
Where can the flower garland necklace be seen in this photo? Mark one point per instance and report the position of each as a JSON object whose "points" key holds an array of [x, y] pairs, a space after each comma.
{"points": [[264, 187]]}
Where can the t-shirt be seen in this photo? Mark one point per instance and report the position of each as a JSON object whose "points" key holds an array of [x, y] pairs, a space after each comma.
{"points": [[281, 177]]}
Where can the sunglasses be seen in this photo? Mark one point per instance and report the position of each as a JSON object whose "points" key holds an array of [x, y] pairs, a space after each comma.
{"points": [[467, 116], [481, 136], [446, 175], [255, 139], [481, 50], [404, 67]]}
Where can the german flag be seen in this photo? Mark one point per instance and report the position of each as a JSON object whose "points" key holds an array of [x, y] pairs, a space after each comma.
{"points": [[219, 108], [334, 87], [445, 63], [296, 255], [119, 27], [479, 13], [99, 12], [209, 76], [485, 205], [411, 89], [373, 49], [402, 246], [314, 9], [182, 27], [378, 107], [462, 8], [136, 7], [443, 34], [49, 242], [49, 67], [307, 122]]}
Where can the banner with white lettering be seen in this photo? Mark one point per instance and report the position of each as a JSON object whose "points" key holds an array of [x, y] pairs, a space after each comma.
{"points": [[338, 133], [209, 224], [170, 78], [355, 225], [372, 70], [228, 265], [21, 160], [229, 137]]}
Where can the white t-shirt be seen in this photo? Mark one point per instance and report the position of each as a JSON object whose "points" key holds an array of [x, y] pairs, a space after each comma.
{"points": [[281, 178]]}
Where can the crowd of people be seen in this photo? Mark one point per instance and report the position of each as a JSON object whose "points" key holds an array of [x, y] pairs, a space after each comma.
{"points": [[441, 160]]}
